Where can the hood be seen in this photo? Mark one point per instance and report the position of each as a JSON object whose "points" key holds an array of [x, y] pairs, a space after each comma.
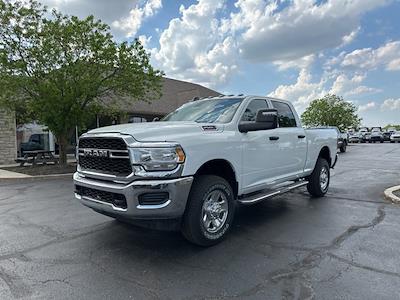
{"points": [[376, 133], [161, 131]]}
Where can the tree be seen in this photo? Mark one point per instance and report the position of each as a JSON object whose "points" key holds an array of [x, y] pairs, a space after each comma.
{"points": [[391, 126], [331, 110], [61, 70]]}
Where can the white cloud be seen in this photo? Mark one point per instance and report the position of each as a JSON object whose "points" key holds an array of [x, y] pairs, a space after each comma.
{"points": [[302, 92], [394, 65], [130, 25], [387, 56], [347, 39], [125, 17], [193, 47], [270, 33], [362, 89], [349, 86], [144, 40], [366, 107], [391, 104], [203, 47], [301, 63], [305, 89]]}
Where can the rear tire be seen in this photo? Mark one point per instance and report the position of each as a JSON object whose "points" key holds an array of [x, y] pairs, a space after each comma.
{"points": [[318, 181], [209, 211]]}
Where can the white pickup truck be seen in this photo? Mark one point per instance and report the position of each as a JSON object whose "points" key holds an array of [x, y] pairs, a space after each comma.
{"points": [[192, 168]]}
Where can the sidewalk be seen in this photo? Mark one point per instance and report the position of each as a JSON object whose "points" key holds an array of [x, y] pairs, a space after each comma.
{"points": [[9, 174]]}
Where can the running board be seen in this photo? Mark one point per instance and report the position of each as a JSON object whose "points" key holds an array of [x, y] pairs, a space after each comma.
{"points": [[262, 196]]}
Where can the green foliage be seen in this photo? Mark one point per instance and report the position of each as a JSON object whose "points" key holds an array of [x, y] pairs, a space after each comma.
{"points": [[331, 110], [390, 125], [59, 70]]}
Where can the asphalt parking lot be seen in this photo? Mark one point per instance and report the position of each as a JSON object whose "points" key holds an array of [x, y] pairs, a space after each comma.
{"points": [[344, 246]]}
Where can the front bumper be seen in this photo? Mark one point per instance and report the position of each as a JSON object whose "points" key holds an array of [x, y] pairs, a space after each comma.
{"points": [[376, 138], [354, 139], [178, 190]]}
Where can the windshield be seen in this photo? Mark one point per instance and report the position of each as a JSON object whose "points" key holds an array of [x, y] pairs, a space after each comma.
{"points": [[206, 111], [376, 130]]}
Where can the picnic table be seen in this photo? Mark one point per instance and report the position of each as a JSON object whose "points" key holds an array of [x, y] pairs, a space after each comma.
{"points": [[37, 156]]}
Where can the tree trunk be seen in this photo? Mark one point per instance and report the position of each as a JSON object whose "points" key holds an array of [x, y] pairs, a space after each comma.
{"points": [[62, 150]]}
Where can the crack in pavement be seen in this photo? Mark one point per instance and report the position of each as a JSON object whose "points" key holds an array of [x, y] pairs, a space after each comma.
{"points": [[297, 272], [46, 230], [15, 284], [61, 239], [364, 267], [150, 290]]}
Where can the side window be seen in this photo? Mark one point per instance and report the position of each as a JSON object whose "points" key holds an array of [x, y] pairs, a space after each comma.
{"points": [[250, 113], [285, 115]]}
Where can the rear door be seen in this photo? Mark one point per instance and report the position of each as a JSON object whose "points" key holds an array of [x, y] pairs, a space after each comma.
{"points": [[292, 142]]}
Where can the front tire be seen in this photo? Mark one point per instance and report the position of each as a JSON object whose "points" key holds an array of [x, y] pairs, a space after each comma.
{"points": [[209, 211], [318, 181], [343, 148]]}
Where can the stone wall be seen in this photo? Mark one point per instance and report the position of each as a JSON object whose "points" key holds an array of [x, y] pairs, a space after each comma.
{"points": [[8, 144]]}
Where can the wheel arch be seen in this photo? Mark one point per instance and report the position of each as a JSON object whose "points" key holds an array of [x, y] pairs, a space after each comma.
{"points": [[326, 154], [222, 168]]}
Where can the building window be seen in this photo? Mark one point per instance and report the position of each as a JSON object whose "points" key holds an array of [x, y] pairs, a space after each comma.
{"points": [[136, 119]]}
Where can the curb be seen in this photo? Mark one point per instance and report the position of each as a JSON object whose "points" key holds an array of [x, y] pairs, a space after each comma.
{"points": [[390, 196], [36, 177]]}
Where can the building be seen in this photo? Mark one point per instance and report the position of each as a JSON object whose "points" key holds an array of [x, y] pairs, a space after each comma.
{"points": [[8, 138], [174, 94]]}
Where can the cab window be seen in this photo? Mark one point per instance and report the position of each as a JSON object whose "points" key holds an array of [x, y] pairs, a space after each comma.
{"points": [[285, 115], [254, 106]]}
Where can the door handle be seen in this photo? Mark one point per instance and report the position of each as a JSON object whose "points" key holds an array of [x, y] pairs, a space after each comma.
{"points": [[274, 138], [301, 136]]}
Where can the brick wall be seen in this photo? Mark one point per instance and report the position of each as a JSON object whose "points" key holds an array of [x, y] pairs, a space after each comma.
{"points": [[8, 148]]}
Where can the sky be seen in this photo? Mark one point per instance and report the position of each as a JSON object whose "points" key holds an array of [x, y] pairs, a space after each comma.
{"points": [[297, 50]]}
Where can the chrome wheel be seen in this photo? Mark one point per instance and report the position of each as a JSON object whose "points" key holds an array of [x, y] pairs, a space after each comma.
{"points": [[324, 178], [215, 211]]}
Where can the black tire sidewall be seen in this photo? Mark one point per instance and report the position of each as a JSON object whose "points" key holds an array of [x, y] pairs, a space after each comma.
{"points": [[314, 187], [192, 226]]}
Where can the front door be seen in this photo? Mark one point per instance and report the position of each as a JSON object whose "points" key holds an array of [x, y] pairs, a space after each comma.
{"points": [[260, 163]]}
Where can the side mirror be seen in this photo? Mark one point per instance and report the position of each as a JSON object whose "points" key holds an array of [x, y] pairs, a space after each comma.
{"points": [[266, 119]]}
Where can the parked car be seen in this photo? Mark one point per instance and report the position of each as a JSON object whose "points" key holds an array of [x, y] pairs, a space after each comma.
{"points": [[343, 140], [364, 134], [189, 170], [36, 142], [376, 135], [395, 137], [354, 137], [386, 136]]}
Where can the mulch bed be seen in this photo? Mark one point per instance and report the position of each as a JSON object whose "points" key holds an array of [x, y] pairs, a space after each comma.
{"points": [[43, 169]]}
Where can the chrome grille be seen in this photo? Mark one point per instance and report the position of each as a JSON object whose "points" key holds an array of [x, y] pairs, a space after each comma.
{"points": [[105, 155]]}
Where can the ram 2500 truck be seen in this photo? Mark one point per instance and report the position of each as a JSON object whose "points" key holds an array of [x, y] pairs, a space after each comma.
{"points": [[194, 167]]}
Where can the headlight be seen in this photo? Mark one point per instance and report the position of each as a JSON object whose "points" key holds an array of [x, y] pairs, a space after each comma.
{"points": [[158, 159]]}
